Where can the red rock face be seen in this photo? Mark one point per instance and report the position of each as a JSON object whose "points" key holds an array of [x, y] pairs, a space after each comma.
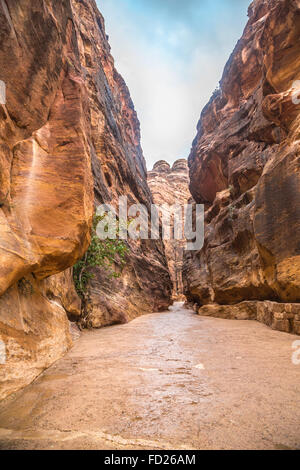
{"points": [[69, 139], [119, 168], [170, 186], [245, 167]]}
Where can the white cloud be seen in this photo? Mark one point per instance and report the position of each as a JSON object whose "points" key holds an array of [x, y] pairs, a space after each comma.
{"points": [[170, 77]]}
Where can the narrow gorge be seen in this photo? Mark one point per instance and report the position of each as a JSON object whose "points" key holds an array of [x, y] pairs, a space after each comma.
{"points": [[148, 345]]}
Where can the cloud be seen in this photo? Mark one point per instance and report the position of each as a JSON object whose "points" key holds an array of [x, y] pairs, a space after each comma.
{"points": [[171, 54]]}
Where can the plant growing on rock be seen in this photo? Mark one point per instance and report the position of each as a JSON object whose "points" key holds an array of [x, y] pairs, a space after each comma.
{"points": [[101, 253]]}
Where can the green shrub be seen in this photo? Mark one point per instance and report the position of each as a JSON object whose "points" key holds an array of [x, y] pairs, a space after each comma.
{"points": [[102, 253]]}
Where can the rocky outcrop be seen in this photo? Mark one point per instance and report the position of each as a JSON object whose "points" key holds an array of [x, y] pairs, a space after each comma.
{"points": [[170, 186], [245, 168], [69, 139], [279, 316]]}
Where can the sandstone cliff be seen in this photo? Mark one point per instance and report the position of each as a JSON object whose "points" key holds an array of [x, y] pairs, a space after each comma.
{"points": [[69, 139], [170, 186], [245, 167]]}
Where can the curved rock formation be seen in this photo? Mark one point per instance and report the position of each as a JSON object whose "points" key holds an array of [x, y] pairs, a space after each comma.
{"points": [[171, 186], [69, 139], [245, 167]]}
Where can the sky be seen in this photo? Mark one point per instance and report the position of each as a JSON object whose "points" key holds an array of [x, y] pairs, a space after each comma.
{"points": [[171, 54]]}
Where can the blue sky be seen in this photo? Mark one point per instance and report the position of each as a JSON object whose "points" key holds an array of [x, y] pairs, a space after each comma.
{"points": [[171, 54]]}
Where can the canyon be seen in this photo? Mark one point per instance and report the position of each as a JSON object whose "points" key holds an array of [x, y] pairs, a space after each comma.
{"points": [[201, 350], [245, 168]]}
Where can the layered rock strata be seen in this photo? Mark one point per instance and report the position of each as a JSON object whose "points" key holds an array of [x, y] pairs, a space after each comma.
{"points": [[69, 139], [169, 187], [245, 168]]}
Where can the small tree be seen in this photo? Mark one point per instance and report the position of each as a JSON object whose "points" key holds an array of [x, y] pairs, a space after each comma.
{"points": [[102, 253]]}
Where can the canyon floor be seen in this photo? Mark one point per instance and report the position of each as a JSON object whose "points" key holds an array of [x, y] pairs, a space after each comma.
{"points": [[170, 380]]}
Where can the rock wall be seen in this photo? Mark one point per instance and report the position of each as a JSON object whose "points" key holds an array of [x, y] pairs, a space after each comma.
{"points": [[69, 139], [119, 168], [245, 168], [170, 186]]}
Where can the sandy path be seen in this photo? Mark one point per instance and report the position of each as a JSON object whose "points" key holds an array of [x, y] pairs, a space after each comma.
{"points": [[165, 381]]}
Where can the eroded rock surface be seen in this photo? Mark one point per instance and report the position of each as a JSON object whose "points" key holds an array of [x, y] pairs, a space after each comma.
{"points": [[69, 139], [245, 167], [119, 169], [169, 187]]}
